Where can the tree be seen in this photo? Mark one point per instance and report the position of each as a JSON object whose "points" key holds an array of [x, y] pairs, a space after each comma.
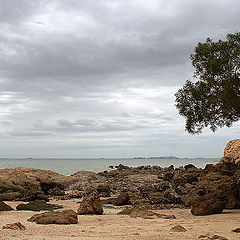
{"points": [[214, 100]]}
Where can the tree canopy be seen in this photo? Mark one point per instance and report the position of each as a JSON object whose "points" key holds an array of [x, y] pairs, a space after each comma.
{"points": [[213, 100]]}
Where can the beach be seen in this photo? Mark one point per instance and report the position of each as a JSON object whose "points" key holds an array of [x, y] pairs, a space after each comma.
{"points": [[120, 227]]}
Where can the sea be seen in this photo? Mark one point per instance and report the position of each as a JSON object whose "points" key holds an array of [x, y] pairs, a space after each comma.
{"points": [[68, 166]]}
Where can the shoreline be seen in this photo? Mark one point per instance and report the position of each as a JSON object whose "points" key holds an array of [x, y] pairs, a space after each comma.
{"points": [[111, 226]]}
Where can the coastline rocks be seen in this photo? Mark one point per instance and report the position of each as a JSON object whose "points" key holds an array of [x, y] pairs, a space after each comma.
{"points": [[232, 152], [5, 207], [59, 217], [211, 203], [28, 184], [90, 205], [38, 205]]}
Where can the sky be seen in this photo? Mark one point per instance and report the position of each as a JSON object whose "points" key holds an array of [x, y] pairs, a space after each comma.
{"points": [[87, 78]]}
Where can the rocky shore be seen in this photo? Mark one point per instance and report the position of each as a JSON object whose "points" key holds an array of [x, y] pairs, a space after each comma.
{"points": [[143, 190]]}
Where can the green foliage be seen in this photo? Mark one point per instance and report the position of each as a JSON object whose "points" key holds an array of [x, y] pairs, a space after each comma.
{"points": [[214, 100]]}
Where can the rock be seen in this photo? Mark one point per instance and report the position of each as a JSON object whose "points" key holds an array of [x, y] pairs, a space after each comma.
{"points": [[232, 152], [56, 191], [213, 182], [38, 205], [55, 217], [122, 199], [211, 203], [143, 213], [5, 207], [211, 236], [14, 226], [187, 176], [90, 205], [237, 230], [29, 183], [178, 228], [104, 190]]}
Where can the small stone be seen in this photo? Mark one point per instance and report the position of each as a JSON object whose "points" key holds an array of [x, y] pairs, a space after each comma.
{"points": [[14, 226], [237, 230], [178, 228]]}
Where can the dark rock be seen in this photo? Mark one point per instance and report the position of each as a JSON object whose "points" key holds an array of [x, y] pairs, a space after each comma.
{"points": [[104, 190], [122, 199], [56, 191], [188, 176], [38, 205], [211, 203], [14, 226], [90, 205], [5, 207], [10, 196], [189, 166], [52, 217], [237, 230]]}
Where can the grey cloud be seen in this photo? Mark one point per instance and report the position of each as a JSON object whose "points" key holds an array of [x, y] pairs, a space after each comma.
{"points": [[96, 74]]}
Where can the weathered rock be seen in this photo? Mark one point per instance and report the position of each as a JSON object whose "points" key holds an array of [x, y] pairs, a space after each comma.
{"points": [[29, 183], [55, 217], [122, 199], [187, 176], [5, 207], [211, 236], [143, 213], [14, 226], [211, 203], [38, 205], [90, 205], [232, 152], [104, 190], [56, 191], [178, 228]]}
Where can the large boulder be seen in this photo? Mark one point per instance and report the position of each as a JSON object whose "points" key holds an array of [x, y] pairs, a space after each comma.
{"points": [[232, 152], [29, 184], [90, 205], [58, 217], [5, 207], [38, 205], [211, 203]]}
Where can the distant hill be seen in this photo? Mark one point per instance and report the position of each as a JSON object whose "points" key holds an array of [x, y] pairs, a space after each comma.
{"points": [[160, 157]]}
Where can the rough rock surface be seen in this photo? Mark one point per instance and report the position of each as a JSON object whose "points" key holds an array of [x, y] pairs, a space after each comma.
{"points": [[29, 184], [38, 205], [5, 207], [90, 205], [232, 152], [55, 217], [122, 199], [211, 203], [211, 236], [14, 226], [178, 228]]}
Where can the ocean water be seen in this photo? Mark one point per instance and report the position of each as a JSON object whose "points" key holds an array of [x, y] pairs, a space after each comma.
{"points": [[69, 166]]}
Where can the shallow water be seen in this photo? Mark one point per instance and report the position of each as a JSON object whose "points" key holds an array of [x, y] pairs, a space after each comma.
{"points": [[68, 166]]}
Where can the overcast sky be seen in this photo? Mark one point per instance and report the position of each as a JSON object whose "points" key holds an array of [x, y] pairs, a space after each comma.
{"points": [[87, 78]]}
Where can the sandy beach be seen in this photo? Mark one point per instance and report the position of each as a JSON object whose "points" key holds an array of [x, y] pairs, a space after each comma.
{"points": [[114, 227]]}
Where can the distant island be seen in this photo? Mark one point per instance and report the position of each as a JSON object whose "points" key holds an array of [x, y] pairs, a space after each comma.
{"points": [[161, 157]]}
